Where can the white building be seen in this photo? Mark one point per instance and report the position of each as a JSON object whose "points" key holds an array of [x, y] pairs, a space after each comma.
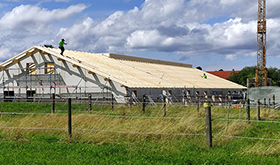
{"points": [[40, 71]]}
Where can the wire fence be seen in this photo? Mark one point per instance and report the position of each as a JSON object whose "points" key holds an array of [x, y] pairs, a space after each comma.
{"points": [[234, 114]]}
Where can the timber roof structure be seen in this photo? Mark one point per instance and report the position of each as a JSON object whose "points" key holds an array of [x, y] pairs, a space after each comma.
{"points": [[134, 72]]}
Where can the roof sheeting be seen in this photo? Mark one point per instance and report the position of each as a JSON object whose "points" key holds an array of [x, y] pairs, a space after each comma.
{"points": [[136, 72]]}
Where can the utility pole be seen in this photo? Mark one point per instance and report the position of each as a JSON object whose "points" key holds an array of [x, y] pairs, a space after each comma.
{"points": [[261, 70]]}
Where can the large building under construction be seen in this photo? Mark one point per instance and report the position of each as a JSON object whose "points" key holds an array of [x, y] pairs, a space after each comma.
{"points": [[40, 71]]}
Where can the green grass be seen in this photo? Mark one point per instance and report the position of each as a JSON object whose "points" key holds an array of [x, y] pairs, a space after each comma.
{"points": [[179, 152], [20, 146]]}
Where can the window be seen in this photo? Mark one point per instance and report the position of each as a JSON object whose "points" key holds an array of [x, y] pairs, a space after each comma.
{"points": [[49, 68], [9, 96], [30, 68]]}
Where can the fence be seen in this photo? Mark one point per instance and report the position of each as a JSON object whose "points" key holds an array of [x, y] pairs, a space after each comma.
{"points": [[234, 113]]}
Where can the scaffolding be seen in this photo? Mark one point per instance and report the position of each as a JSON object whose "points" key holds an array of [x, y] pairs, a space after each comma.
{"points": [[26, 85]]}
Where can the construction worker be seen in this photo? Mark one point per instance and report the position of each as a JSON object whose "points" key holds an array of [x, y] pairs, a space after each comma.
{"points": [[61, 46], [204, 76]]}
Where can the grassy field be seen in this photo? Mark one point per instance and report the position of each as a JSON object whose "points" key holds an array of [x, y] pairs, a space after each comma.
{"points": [[88, 145]]}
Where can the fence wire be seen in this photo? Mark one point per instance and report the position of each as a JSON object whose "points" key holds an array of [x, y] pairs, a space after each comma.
{"points": [[146, 117], [109, 131], [140, 133]]}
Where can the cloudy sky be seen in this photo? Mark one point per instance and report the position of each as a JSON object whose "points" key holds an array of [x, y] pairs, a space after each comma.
{"points": [[213, 34]]}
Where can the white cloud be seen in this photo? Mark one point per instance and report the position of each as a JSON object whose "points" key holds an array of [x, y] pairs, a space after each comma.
{"points": [[144, 39], [180, 26], [230, 57], [173, 26], [28, 25], [34, 19], [4, 51]]}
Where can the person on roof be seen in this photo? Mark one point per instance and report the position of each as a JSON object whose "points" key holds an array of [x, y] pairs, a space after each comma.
{"points": [[61, 46], [204, 76]]}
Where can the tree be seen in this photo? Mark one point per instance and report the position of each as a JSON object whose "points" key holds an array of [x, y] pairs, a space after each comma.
{"points": [[241, 77], [199, 67], [250, 72], [221, 70], [274, 74], [48, 46]]}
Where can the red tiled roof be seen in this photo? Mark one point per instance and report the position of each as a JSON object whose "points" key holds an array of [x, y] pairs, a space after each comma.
{"points": [[222, 74]]}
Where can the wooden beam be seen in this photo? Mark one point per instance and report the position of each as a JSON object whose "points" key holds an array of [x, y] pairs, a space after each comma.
{"points": [[76, 66], [15, 60], [90, 72], [2, 67], [60, 59], [45, 53], [107, 79], [123, 86], [38, 50], [29, 53]]}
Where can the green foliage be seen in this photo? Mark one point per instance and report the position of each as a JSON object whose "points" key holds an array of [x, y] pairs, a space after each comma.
{"points": [[241, 77], [250, 72], [199, 67], [48, 46], [274, 74]]}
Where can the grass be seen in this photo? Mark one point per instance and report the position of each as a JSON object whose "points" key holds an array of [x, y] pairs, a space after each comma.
{"points": [[175, 152], [22, 146]]}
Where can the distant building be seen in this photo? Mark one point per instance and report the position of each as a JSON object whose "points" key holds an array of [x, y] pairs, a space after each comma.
{"points": [[223, 74]]}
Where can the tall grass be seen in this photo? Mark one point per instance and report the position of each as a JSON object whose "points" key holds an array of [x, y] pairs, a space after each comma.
{"points": [[120, 127]]}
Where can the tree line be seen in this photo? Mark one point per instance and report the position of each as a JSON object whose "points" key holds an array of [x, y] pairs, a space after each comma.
{"points": [[250, 72]]}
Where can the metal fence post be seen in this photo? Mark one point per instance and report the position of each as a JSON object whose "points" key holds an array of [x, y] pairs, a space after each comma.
{"points": [[258, 109], [228, 113], [198, 104], [112, 102], [164, 106], [248, 110], [144, 103], [53, 103], [208, 123], [273, 101], [264, 102], [89, 103], [69, 118], [34, 98]]}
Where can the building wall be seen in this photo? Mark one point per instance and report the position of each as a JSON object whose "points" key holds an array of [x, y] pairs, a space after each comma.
{"points": [[66, 78], [179, 94]]}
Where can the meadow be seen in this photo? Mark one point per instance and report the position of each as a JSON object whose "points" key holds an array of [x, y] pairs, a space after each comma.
{"points": [[30, 134]]}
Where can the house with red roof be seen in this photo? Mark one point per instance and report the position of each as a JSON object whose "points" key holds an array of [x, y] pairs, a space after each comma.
{"points": [[223, 74]]}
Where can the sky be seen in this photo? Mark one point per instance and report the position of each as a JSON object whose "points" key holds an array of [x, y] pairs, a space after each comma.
{"points": [[213, 34]]}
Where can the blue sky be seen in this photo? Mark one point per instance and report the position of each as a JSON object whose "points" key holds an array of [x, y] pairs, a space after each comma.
{"points": [[213, 34]]}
